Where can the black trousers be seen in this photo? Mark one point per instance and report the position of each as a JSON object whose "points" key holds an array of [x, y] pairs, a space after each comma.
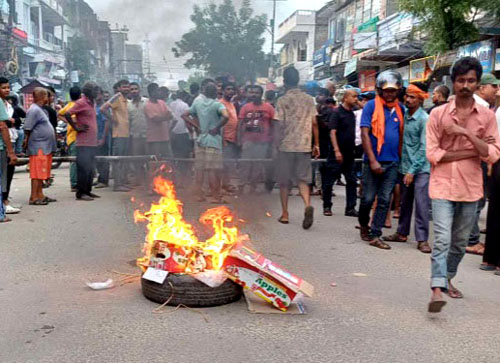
{"points": [[331, 171], [492, 245], [85, 167], [103, 166]]}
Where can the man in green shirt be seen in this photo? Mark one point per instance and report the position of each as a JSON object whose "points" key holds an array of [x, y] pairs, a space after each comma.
{"points": [[415, 169], [207, 116]]}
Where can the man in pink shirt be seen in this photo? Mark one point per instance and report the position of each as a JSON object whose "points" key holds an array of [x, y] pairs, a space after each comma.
{"points": [[460, 135], [85, 124], [158, 119]]}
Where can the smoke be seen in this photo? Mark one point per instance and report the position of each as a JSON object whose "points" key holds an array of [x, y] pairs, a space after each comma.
{"points": [[165, 21]]}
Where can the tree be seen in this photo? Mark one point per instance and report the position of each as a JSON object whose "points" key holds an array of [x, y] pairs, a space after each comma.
{"points": [[224, 40], [79, 57], [450, 23]]}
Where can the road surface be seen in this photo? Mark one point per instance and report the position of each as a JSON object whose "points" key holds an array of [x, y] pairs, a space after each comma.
{"points": [[378, 315]]}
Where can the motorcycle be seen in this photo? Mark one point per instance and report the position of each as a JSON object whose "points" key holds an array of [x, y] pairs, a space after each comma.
{"points": [[62, 147]]}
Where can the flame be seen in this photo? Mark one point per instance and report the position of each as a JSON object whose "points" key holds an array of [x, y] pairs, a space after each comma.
{"points": [[166, 224]]}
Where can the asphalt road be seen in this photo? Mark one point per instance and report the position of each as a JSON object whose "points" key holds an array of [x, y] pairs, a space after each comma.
{"points": [[49, 315]]}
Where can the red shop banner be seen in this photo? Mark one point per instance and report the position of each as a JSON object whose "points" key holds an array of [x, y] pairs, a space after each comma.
{"points": [[367, 80]]}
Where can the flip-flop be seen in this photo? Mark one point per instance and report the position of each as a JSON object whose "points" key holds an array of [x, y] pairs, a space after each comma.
{"points": [[473, 250], [377, 242], [283, 221], [6, 220], [487, 267], [38, 202], [49, 200], [395, 238], [308, 218], [435, 306], [454, 293]]}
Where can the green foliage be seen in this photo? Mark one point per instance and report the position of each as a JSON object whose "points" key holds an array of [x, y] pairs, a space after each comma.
{"points": [[450, 23], [224, 40], [196, 77], [79, 57]]}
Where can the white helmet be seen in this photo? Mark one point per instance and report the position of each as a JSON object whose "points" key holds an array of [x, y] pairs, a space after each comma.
{"points": [[389, 79]]}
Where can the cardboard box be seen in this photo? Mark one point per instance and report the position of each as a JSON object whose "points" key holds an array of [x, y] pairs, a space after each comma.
{"points": [[265, 278]]}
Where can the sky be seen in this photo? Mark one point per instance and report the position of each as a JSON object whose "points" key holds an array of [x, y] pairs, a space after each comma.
{"points": [[165, 21]]}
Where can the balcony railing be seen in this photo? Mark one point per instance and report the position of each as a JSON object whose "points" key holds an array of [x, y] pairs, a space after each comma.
{"points": [[54, 5]]}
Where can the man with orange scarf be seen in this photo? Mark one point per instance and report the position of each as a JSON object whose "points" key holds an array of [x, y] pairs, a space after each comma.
{"points": [[382, 124], [415, 169]]}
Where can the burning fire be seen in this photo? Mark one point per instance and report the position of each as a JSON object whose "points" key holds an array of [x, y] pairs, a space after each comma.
{"points": [[171, 243]]}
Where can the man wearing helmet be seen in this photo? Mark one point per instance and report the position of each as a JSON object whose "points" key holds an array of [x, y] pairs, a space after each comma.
{"points": [[381, 131]]}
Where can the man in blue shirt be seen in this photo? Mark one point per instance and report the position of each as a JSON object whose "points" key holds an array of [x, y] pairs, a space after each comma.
{"points": [[415, 169], [381, 130]]}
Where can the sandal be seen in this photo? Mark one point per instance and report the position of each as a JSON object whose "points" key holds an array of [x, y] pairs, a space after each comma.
{"points": [[377, 242], [396, 237], [6, 220], [283, 221], [436, 305], [477, 249], [454, 293], [487, 267], [38, 202], [308, 218], [49, 200]]}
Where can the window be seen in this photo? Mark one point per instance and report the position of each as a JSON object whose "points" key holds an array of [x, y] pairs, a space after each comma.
{"points": [[392, 7], [332, 29], [302, 55], [340, 33]]}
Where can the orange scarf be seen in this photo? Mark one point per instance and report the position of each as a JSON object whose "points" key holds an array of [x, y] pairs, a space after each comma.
{"points": [[378, 121]]}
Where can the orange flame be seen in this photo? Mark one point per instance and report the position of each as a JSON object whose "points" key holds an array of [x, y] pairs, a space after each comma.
{"points": [[166, 224]]}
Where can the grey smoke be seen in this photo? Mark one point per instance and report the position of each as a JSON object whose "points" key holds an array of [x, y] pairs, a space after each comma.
{"points": [[166, 20]]}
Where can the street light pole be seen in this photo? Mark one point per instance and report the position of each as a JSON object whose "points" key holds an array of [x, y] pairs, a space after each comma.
{"points": [[273, 29]]}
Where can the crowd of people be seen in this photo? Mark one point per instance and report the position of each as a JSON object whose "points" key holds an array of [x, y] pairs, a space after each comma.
{"points": [[438, 164]]}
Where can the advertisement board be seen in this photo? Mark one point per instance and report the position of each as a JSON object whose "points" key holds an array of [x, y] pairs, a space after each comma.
{"points": [[484, 51], [367, 80], [421, 69], [497, 60]]}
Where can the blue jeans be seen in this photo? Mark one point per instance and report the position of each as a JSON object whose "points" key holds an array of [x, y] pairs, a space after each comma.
{"points": [[453, 222], [380, 186]]}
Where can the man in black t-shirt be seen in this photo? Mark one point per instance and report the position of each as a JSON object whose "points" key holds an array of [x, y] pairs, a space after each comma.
{"points": [[49, 107], [340, 160]]}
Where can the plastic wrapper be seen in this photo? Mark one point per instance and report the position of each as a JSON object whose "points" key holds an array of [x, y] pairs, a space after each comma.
{"points": [[108, 284]]}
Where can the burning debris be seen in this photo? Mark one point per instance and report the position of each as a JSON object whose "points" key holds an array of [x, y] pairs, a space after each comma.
{"points": [[171, 243], [173, 247]]}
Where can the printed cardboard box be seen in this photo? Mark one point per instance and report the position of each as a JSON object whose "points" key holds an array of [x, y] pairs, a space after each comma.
{"points": [[265, 278]]}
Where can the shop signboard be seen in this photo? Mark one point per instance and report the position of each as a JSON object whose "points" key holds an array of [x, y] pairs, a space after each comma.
{"points": [[421, 69], [351, 67], [367, 80], [319, 57], [484, 51], [365, 36], [497, 60], [393, 33]]}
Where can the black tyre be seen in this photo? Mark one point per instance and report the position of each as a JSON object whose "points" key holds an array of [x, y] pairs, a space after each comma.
{"points": [[190, 292]]}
